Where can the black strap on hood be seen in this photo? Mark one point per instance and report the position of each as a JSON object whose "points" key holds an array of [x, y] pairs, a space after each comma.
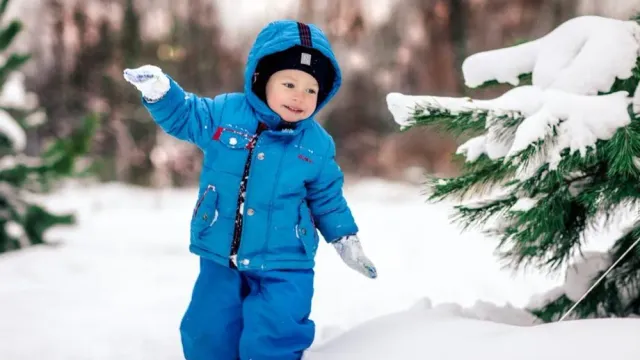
{"points": [[305, 35]]}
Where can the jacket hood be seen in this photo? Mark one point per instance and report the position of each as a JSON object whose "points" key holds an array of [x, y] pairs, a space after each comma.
{"points": [[278, 36]]}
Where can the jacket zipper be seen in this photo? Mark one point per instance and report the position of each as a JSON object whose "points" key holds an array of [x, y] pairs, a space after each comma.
{"points": [[242, 197]]}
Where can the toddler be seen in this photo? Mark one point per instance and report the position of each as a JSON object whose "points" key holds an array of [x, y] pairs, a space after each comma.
{"points": [[269, 183]]}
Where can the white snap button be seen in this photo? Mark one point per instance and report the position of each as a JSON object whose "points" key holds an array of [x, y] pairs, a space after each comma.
{"points": [[260, 156], [245, 262], [233, 141]]}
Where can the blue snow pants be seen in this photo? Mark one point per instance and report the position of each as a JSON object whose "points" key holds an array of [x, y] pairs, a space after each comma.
{"points": [[257, 315]]}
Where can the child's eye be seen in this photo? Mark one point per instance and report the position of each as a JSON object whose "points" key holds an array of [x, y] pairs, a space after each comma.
{"points": [[289, 85], [311, 91]]}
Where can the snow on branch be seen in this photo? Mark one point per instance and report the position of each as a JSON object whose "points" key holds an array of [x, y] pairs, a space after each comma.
{"points": [[584, 55], [524, 99], [578, 120], [15, 95]]}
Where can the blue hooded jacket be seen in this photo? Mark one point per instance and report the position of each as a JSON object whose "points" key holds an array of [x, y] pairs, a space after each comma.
{"points": [[294, 186]]}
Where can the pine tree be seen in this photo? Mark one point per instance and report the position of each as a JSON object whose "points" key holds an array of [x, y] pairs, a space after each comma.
{"points": [[555, 158], [23, 221]]}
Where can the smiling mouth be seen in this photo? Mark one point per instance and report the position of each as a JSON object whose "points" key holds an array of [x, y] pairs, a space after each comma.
{"points": [[293, 109]]}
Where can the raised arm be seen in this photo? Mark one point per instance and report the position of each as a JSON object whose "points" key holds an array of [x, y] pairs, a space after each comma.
{"points": [[180, 114]]}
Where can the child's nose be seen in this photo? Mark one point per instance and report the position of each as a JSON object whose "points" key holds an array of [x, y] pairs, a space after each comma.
{"points": [[298, 95]]}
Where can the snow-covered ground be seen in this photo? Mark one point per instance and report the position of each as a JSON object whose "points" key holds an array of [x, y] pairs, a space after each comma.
{"points": [[117, 285]]}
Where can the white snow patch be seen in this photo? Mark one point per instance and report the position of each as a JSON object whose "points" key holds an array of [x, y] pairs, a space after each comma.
{"points": [[525, 99], [524, 204], [449, 333], [580, 121], [473, 148], [581, 275], [584, 55], [117, 286], [15, 95]]}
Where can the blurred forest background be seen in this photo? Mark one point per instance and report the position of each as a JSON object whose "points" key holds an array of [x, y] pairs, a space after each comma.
{"points": [[80, 47]]}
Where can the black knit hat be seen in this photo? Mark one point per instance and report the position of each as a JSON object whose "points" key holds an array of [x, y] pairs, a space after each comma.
{"points": [[306, 59]]}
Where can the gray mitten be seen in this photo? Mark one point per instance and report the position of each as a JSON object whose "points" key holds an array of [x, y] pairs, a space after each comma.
{"points": [[350, 250], [152, 83]]}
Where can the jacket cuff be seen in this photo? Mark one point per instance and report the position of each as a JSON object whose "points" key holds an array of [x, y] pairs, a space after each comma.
{"points": [[342, 238]]}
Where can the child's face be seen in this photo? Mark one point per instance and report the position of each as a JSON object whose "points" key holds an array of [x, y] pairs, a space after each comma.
{"points": [[292, 94]]}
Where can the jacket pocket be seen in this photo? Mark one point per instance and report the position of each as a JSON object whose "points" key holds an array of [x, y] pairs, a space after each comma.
{"points": [[306, 230], [205, 213], [231, 146]]}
